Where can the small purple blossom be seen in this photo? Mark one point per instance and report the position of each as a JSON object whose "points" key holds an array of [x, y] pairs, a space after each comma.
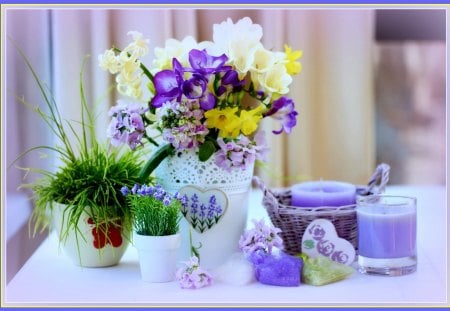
{"points": [[192, 276], [241, 152], [203, 63], [283, 109], [167, 200], [125, 191], [127, 124], [261, 237]]}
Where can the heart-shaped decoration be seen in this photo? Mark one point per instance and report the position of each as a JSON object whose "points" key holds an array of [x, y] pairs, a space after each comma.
{"points": [[320, 238], [203, 208]]}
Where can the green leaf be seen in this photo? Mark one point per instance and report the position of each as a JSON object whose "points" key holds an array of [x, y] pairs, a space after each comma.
{"points": [[154, 161], [206, 151]]}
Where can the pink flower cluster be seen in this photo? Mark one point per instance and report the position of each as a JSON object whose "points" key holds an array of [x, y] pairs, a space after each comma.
{"points": [[261, 238], [127, 124], [192, 276], [241, 152]]}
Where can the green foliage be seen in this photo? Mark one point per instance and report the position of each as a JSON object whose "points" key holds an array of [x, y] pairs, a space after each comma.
{"points": [[90, 177], [151, 217]]}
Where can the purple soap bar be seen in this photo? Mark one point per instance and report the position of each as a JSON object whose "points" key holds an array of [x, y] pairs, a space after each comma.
{"points": [[282, 270]]}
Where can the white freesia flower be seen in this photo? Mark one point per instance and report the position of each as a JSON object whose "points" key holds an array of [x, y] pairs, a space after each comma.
{"points": [[276, 80], [139, 47], [109, 61], [264, 59], [174, 49], [238, 41]]}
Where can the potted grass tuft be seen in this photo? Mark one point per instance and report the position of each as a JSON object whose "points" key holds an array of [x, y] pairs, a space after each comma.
{"points": [[82, 198], [156, 217]]}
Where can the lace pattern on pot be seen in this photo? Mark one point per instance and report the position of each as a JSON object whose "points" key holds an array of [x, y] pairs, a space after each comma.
{"points": [[184, 169]]}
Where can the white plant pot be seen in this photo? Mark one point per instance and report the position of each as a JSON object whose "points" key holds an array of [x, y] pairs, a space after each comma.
{"points": [[219, 242], [88, 248], [157, 256]]}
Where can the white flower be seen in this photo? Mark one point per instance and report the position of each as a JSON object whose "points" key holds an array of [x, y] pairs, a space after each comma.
{"points": [[238, 41], [109, 61], [139, 47], [264, 60], [276, 80], [174, 48]]}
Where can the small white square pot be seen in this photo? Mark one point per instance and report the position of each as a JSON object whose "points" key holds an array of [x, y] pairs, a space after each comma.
{"points": [[157, 256]]}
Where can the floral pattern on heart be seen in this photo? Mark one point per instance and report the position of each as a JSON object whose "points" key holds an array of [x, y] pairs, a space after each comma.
{"points": [[103, 234], [320, 238], [203, 209]]}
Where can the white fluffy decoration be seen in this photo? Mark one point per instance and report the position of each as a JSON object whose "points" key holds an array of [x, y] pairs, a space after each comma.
{"points": [[237, 270]]}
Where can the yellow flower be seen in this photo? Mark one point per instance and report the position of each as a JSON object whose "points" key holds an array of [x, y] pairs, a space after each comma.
{"points": [[224, 120], [247, 122], [249, 119], [292, 66]]}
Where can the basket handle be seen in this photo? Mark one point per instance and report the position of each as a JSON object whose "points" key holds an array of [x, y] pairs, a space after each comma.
{"points": [[378, 181], [267, 193]]}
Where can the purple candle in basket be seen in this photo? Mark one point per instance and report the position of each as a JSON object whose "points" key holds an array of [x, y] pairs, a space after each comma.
{"points": [[323, 193]]}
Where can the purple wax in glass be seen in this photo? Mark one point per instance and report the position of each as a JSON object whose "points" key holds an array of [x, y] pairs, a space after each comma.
{"points": [[386, 231]]}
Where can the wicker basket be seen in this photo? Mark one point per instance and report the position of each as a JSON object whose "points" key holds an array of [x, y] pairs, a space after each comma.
{"points": [[294, 220]]}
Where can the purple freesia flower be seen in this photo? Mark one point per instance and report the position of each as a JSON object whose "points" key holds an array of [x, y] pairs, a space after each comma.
{"points": [[204, 63], [195, 87], [283, 109], [230, 82]]}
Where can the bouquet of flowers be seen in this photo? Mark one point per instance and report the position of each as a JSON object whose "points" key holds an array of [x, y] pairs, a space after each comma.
{"points": [[207, 96]]}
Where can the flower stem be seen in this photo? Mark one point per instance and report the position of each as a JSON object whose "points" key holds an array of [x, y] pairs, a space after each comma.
{"points": [[155, 160]]}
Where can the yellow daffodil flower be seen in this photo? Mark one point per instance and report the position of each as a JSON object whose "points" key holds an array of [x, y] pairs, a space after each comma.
{"points": [[292, 66]]}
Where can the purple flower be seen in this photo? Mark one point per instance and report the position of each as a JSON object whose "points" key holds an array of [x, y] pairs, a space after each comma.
{"points": [[283, 109], [167, 87], [261, 237], [195, 87], [167, 200], [204, 63], [127, 125], [192, 276], [208, 101], [240, 152], [135, 188], [230, 83], [125, 191]]}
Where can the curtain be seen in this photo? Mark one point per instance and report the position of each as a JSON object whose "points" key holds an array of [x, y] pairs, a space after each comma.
{"points": [[333, 138]]}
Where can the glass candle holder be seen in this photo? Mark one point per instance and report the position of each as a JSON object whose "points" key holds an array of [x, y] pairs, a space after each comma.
{"points": [[387, 229]]}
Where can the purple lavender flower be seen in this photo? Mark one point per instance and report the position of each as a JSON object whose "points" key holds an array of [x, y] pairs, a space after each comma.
{"points": [[283, 109], [192, 276], [125, 191], [167, 200], [135, 189]]}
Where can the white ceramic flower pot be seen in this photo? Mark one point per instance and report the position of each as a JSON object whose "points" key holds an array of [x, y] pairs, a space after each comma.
{"points": [[89, 248], [157, 256], [221, 240]]}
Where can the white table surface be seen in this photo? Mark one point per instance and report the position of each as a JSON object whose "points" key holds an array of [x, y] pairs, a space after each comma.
{"points": [[50, 279]]}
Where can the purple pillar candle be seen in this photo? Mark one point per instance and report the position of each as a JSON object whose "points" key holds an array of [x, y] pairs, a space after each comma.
{"points": [[386, 230], [323, 193]]}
